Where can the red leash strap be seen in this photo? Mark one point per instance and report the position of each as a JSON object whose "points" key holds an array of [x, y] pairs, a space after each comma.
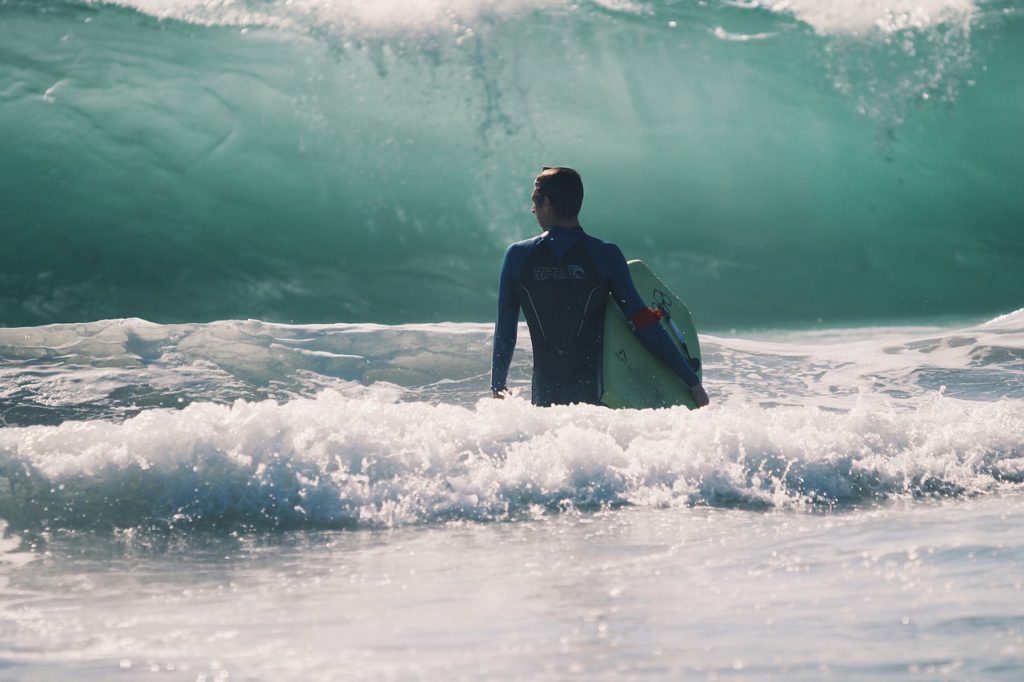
{"points": [[646, 317]]}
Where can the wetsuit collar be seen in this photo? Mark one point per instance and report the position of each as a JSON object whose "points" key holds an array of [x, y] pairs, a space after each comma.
{"points": [[560, 233], [564, 234], [563, 239]]}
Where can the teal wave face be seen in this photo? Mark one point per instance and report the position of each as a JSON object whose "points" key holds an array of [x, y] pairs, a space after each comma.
{"points": [[328, 161]]}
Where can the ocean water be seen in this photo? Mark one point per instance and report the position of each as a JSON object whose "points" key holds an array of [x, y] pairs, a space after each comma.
{"points": [[247, 281], [308, 161], [259, 501]]}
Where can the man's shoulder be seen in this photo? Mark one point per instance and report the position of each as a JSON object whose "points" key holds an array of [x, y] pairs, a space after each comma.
{"points": [[526, 244], [518, 254], [519, 251], [603, 247], [598, 240]]}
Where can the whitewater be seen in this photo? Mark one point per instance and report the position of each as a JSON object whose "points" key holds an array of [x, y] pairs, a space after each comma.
{"points": [[248, 268], [267, 501]]}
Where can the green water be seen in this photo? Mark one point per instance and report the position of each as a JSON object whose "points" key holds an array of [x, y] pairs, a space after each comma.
{"points": [[186, 170]]}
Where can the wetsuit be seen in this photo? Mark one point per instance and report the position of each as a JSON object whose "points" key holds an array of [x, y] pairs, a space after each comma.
{"points": [[561, 280]]}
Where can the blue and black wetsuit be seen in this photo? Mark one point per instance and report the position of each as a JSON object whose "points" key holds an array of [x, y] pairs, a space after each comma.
{"points": [[561, 279]]}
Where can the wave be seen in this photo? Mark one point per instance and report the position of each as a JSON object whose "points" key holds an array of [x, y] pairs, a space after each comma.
{"points": [[825, 16], [313, 161], [115, 369], [366, 460], [874, 16], [247, 425]]}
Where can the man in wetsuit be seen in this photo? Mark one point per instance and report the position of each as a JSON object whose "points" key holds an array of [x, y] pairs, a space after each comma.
{"points": [[561, 279]]}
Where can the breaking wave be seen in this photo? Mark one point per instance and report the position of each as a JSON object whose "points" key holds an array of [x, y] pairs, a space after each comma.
{"points": [[348, 426], [367, 161]]}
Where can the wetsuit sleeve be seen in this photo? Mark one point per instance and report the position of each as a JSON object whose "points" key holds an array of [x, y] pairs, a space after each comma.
{"points": [[507, 325], [653, 336]]}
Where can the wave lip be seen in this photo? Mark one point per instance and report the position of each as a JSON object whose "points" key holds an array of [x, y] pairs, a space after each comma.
{"points": [[1012, 322], [368, 15], [369, 460], [838, 17]]}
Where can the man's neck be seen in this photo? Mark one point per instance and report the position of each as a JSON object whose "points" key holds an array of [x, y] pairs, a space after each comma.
{"points": [[572, 224]]}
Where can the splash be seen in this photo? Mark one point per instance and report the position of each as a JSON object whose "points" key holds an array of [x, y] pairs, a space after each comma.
{"points": [[341, 16], [838, 17], [364, 459], [244, 424]]}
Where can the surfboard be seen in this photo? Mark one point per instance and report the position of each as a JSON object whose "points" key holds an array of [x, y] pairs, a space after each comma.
{"points": [[633, 377]]}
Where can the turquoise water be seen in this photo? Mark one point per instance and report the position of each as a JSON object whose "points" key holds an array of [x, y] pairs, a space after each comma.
{"points": [[247, 280], [318, 161]]}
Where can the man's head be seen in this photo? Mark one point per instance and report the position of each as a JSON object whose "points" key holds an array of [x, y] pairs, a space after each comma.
{"points": [[557, 195]]}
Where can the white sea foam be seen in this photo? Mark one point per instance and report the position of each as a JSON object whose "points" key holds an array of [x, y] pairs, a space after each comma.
{"points": [[115, 368], [362, 457], [841, 17], [1011, 321], [376, 425], [722, 34], [373, 15], [825, 16]]}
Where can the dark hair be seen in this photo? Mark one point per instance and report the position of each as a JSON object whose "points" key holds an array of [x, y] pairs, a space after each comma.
{"points": [[564, 187]]}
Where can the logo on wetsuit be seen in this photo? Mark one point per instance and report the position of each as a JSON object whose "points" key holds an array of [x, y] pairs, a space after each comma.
{"points": [[568, 272]]}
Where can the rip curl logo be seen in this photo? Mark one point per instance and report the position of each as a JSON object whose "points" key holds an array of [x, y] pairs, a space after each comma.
{"points": [[568, 272]]}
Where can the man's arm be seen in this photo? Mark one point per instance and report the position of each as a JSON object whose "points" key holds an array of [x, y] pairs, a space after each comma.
{"points": [[506, 327], [652, 335]]}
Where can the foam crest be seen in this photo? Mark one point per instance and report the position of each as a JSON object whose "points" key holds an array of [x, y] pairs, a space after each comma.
{"points": [[1011, 322], [838, 17], [362, 457], [833, 17], [374, 15]]}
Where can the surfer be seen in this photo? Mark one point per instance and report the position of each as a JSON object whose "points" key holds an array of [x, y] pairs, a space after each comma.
{"points": [[561, 279]]}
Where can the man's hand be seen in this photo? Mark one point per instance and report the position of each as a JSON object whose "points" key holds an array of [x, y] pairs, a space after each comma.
{"points": [[700, 396]]}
